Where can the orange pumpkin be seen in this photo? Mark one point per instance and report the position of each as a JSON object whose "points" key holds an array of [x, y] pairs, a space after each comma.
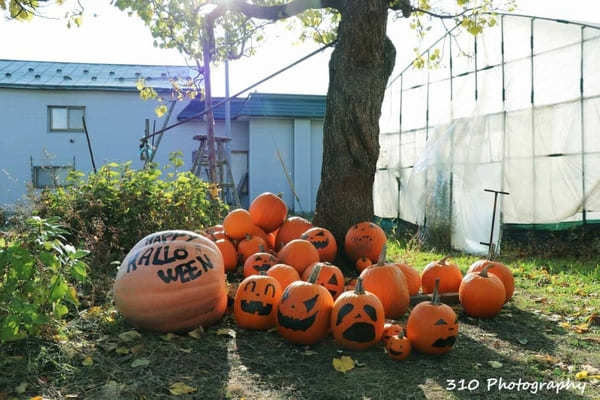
{"points": [[291, 229], [238, 223], [390, 330], [284, 273], [259, 262], [388, 283], [432, 326], [271, 237], [256, 231], [330, 277], [362, 263], [216, 235], [323, 241], [357, 319], [501, 271], [256, 300], [229, 253], [364, 239], [268, 211], [299, 253], [304, 311], [413, 279], [398, 347], [212, 229], [448, 274], [157, 284], [250, 245], [482, 294]]}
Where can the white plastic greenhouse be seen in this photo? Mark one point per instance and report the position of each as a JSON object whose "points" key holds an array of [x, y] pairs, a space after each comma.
{"points": [[521, 114]]}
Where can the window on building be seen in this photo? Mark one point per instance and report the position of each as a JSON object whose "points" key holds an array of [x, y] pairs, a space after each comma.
{"points": [[65, 118], [47, 177]]}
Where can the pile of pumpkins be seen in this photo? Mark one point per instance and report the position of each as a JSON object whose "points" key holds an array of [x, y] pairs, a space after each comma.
{"points": [[176, 280]]}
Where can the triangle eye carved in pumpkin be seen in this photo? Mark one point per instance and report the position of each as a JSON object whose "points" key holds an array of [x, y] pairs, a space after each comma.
{"points": [[321, 233], [333, 280], [310, 303], [441, 322], [345, 310]]}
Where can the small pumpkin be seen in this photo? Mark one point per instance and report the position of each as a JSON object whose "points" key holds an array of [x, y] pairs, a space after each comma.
{"points": [[259, 262], [388, 283], [304, 311], [291, 229], [357, 319], [330, 277], [501, 271], [299, 253], [284, 273], [238, 223], [432, 326], [413, 279], [229, 253], [398, 347], [362, 263], [323, 241], [364, 239], [268, 211], [482, 294], [256, 301], [250, 245], [448, 274], [390, 330]]}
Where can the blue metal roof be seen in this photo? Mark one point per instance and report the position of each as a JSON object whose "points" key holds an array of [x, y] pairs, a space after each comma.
{"points": [[68, 75], [264, 105]]}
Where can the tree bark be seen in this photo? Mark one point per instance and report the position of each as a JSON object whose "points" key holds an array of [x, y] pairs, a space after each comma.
{"points": [[360, 66]]}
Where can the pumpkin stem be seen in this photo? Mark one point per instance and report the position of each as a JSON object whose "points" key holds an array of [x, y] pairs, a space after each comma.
{"points": [[261, 248], [382, 255], [401, 334], [280, 195], [264, 273], [435, 299], [314, 274], [484, 271], [248, 237], [358, 288]]}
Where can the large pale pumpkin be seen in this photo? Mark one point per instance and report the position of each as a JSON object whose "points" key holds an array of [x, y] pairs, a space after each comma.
{"points": [[171, 281]]}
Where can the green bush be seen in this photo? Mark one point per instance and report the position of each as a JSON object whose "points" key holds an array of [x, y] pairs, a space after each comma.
{"points": [[111, 210], [38, 270]]}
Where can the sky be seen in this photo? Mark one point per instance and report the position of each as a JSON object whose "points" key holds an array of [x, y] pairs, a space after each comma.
{"points": [[111, 36]]}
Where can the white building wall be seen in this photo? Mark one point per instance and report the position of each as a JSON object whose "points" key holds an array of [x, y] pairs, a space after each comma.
{"points": [[316, 159]]}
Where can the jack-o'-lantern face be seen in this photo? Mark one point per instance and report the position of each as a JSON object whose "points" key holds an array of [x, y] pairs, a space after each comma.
{"points": [[446, 330], [432, 328], [365, 239], [324, 242], [330, 277], [398, 347], [256, 300], [304, 312], [390, 330], [258, 263]]}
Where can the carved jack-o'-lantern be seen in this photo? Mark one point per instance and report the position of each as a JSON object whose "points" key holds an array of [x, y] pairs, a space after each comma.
{"points": [[357, 319], [171, 281], [432, 326], [304, 311], [256, 301], [364, 239], [330, 277], [323, 241], [398, 347], [390, 330], [259, 262]]}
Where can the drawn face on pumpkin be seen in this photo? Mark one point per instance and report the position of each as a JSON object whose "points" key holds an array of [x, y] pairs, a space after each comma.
{"points": [[256, 302], [332, 279], [364, 239], [444, 332], [398, 347], [358, 322], [323, 241], [297, 312], [258, 263]]}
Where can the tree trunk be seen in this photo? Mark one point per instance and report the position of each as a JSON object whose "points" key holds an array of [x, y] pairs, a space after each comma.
{"points": [[360, 66]]}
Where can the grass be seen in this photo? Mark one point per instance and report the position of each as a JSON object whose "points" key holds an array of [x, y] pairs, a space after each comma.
{"points": [[542, 335]]}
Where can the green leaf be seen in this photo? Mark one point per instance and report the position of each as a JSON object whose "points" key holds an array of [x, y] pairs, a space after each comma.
{"points": [[59, 290], [60, 310], [79, 271]]}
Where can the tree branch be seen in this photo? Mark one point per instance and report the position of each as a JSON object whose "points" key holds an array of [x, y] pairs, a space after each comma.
{"points": [[407, 9]]}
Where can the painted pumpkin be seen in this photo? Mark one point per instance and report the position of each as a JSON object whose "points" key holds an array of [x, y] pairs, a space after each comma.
{"points": [[482, 294], [323, 241], [448, 274], [304, 311], [364, 239], [330, 277], [390, 330], [432, 326], [238, 223], [398, 347], [250, 245], [501, 271], [259, 262], [268, 211], [387, 282], [229, 253], [413, 279], [362, 263], [291, 229], [357, 319], [256, 301], [299, 253], [171, 281], [285, 274]]}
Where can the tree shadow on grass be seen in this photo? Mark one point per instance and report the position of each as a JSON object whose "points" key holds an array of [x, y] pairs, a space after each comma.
{"points": [[307, 373]]}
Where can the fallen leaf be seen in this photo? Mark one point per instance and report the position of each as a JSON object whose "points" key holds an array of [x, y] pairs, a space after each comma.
{"points": [[580, 292], [581, 375], [495, 364], [169, 336], [129, 336], [87, 362], [196, 333], [21, 388], [179, 388], [122, 350], [93, 311], [226, 332], [37, 398], [581, 328], [565, 325], [140, 362], [343, 364]]}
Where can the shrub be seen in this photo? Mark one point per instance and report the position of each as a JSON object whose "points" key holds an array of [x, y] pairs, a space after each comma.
{"points": [[38, 270], [111, 210]]}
